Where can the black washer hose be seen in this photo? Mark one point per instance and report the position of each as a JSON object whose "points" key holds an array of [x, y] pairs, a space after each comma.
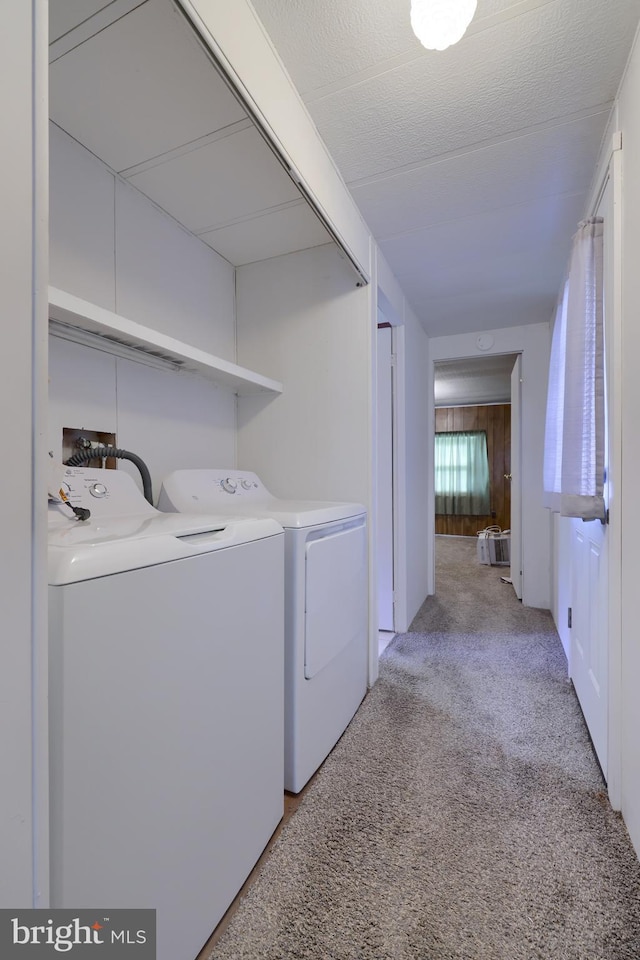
{"points": [[94, 452]]}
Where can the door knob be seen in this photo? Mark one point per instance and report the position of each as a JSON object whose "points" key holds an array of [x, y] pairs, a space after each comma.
{"points": [[507, 476]]}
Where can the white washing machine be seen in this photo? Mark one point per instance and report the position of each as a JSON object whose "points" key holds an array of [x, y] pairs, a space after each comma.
{"points": [[166, 705], [326, 604]]}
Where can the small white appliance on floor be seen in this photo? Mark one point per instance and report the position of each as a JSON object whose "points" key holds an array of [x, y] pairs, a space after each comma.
{"points": [[326, 604], [166, 643]]}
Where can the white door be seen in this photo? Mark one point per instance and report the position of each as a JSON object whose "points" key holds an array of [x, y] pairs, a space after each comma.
{"points": [[516, 478], [385, 481], [589, 647], [590, 572]]}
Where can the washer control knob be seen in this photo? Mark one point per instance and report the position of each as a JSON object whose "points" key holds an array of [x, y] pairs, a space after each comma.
{"points": [[229, 485], [98, 490], [246, 484]]}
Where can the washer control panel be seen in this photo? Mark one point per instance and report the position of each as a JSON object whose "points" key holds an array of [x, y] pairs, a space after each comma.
{"points": [[104, 493], [79, 488]]}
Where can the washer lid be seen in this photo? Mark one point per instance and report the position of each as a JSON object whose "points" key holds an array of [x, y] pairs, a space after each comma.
{"points": [[86, 550], [241, 492]]}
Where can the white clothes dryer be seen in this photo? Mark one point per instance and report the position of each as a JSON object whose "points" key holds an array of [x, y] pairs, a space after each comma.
{"points": [[326, 604], [166, 705]]}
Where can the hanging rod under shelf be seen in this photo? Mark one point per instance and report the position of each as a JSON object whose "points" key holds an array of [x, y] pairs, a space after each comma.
{"points": [[114, 334]]}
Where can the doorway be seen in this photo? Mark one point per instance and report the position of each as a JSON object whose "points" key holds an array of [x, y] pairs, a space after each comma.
{"points": [[477, 430]]}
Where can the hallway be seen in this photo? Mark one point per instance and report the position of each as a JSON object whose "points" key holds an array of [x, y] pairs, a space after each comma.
{"points": [[462, 815]]}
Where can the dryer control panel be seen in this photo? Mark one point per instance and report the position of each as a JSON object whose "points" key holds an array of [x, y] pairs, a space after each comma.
{"points": [[233, 485], [241, 484], [242, 492], [220, 485]]}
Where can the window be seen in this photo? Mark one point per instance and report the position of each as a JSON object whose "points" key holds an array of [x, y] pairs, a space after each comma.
{"points": [[462, 473]]}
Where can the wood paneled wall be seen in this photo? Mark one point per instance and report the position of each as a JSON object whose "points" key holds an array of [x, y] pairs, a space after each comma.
{"points": [[496, 420]]}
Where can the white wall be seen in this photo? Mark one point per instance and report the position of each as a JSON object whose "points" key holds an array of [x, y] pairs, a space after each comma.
{"points": [[81, 222], [533, 341], [23, 828], [629, 124], [171, 420], [112, 246], [302, 320]]}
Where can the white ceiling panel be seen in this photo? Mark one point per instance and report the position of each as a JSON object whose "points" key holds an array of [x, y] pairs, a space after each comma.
{"points": [[496, 259], [324, 42], [219, 183], [433, 105], [456, 255], [489, 310], [539, 165], [333, 41], [128, 99], [293, 227], [471, 166], [64, 15]]}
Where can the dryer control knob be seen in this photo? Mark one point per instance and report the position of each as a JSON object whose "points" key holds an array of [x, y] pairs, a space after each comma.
{"points": [[246, 484], [229, 485], [98, 490]]}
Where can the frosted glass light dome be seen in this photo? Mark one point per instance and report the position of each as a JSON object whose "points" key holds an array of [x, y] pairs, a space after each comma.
{"points": [[440, 23]]}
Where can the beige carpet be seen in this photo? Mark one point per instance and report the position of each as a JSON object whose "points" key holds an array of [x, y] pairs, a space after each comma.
{"points": [[462, 815]]}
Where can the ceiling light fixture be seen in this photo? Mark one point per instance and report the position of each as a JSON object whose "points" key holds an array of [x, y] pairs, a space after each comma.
{"points": [[440, 23]]}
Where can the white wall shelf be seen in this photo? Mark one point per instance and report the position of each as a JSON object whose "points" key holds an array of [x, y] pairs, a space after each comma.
{"points": [[116, 334]]}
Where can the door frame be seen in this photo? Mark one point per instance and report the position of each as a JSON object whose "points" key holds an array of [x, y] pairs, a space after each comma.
{"points": [[614, 398], [533, 343], [383, 304], [610, 172], [385, 533], [24, 805], [516, 471], [398, 504]]}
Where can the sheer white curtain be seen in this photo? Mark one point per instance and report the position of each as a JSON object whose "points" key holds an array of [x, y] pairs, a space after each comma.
{"points": [[575, 427], [555, 407]]}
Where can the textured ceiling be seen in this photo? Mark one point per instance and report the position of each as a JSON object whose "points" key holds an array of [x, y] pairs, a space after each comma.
{"points": [[472, 166], [476, 380]]}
